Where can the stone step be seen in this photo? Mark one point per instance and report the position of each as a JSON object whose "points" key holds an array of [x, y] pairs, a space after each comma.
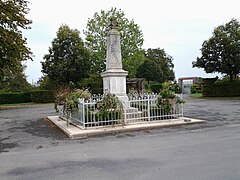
{"points": [[131, 110], [138, 113], [133, 115]]}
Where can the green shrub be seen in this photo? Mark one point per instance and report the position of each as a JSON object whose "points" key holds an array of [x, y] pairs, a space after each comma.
{"points": [[156, 87], [209, 80], [17, 97], [194, 89], [42, 96], [69, 100], [222, 89], [96, 88], [93, 83], [168, 98], [175, 88]]}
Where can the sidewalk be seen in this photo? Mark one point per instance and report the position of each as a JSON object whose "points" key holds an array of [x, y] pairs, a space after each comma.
{"points": [[74, 132]]}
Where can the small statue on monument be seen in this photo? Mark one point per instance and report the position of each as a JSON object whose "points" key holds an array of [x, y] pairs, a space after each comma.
{"points": [[113, 23]]}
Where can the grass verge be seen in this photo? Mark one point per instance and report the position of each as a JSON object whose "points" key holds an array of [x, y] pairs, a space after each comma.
{"points": [[199, 95], [22, 104]]}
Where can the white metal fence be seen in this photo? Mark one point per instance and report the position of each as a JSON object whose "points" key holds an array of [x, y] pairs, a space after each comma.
{"points": [[149, 108], [139, 108]]}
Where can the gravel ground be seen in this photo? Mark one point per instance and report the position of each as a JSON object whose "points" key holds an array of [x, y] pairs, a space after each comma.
{"points": [[26, 127]]}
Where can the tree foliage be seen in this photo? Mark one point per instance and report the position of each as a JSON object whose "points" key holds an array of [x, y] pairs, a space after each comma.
{"points": [[45, 83], [68, 60], [97, 28], [14, 81], [158, 66], [13, 49], [221, 52], [132, 63]]}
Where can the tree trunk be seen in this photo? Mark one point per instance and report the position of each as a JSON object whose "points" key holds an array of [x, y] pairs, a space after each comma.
{"points": [[231, 77], [235, 76]]}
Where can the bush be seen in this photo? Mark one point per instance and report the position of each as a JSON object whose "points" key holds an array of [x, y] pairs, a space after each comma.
{"points": [[175, 88], [222, 89], [96, 88], [17, 97], [93, 83], [156, 87], [195, 88], [209, 80], [42, 96]]}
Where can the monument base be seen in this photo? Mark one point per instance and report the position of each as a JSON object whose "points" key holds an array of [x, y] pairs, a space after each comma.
{"points": [[124, 100], [114, 82]]}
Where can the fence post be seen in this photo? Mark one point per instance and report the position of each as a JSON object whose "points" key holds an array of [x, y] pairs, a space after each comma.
{"points": [[83, 113], [125, 117], [148, 105], [181, 104]]}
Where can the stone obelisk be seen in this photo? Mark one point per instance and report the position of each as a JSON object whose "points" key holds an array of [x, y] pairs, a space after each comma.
{"points": [[114, 78]]}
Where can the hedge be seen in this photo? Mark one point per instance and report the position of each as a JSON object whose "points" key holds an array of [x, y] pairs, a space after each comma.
{"points": [[209, 80], [17, 97], [42, 96], [222, 89]]}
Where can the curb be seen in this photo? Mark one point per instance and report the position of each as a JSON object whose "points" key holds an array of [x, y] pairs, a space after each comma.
{"points": [[74, 132]]}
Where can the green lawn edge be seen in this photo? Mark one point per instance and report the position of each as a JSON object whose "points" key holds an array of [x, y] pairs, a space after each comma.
{"points": [[200, 96], [22, 104]]}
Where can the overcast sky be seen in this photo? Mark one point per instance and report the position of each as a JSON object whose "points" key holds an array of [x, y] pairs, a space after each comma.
{"points": [[178, 26]]}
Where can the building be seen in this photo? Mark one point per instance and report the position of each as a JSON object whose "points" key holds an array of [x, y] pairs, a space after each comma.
{"points": [[185, 83]]}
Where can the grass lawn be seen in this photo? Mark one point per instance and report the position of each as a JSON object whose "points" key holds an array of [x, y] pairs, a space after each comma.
{"points": [[21, 104], [199, 95]]}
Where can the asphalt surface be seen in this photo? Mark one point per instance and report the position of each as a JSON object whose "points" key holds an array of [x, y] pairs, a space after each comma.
{"points": [[33, 148]]}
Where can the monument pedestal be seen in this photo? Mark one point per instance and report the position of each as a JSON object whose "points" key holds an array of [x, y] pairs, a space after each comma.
{"points": [[114, 82]]}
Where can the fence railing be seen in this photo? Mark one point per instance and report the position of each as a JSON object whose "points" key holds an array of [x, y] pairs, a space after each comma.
{"points": [[140, 108]]}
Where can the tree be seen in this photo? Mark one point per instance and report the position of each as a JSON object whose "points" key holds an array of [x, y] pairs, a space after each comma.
{"points": [[157, 67], [14, 81], [68, 60], [147, 69], [221, 52], [13, 49], [132, 63], [97, 28], [45, 83]]}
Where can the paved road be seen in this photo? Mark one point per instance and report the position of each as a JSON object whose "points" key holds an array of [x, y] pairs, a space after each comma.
{"points": [[216, 112], [32, 148]]}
